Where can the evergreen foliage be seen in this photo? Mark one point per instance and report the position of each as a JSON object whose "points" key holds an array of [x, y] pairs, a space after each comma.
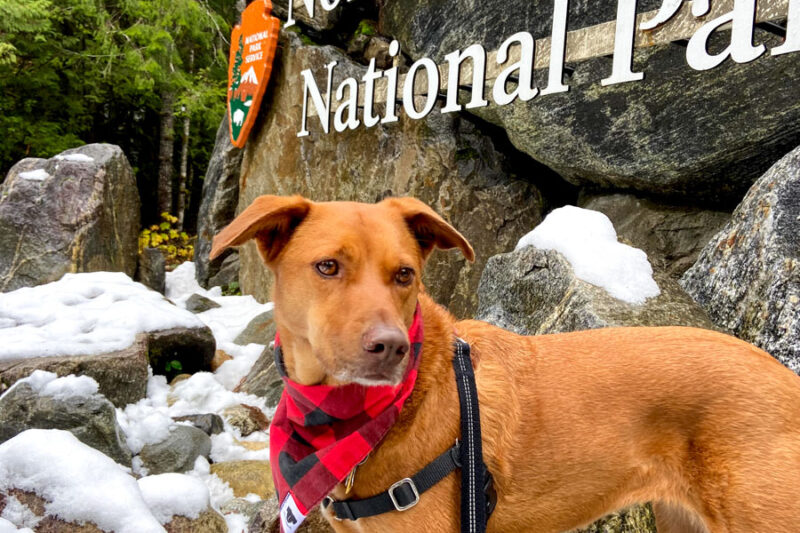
{"points": [[80, 71]]}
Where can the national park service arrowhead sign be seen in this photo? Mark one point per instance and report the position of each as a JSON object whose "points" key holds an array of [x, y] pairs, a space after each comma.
{"points": [[253, 44]]}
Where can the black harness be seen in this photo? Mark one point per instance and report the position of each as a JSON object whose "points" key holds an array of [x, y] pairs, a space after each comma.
{"points": [[478, 496]]}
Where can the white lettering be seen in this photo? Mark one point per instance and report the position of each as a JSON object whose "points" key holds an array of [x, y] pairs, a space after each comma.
{"points": [[323, 108], [525, 89], [623, 45], [741, 49], [454, 60], [430, 95]]}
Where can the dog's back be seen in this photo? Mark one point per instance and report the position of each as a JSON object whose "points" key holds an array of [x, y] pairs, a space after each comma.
{"points": [[606, 418]]}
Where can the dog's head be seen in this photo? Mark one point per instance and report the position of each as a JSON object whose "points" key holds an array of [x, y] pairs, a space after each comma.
{"points": [[347, 276]]}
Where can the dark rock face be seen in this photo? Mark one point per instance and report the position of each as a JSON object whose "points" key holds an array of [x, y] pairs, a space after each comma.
{"points": [[193, 347], [177, 452], [228, 272], [199, 304], [210, 423], [121, 375], [444, 161], [671, 235], [260, 330], [264, 380], [218, 205], [435, 28], [678, 133], [534, 291], [748, 276], [92, 420], [76, 212], [152, 271]]}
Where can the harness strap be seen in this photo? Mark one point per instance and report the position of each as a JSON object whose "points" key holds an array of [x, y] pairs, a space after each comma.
{"points": [[473, 498], [478, 496], [402, 495]]}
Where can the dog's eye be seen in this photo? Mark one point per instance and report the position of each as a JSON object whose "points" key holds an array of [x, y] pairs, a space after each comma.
{"points": [[404, 276], [328, 267]]}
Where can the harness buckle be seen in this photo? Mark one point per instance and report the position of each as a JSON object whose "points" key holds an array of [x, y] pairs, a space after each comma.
{"points": [[400, 484]]}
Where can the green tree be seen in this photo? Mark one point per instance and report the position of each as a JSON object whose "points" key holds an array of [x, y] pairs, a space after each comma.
{"points": [[78, 71]]}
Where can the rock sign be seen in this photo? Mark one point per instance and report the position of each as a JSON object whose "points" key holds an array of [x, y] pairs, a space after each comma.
{"points": [[253, 44]]}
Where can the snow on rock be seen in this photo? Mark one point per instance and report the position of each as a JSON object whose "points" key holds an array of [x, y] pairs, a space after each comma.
{"points": [[39, 174], [18, 513], [220, 491], [49, 384], [226, 322], [80, 483], [169, 495], [78, 158], [8, 527], [587, 240], [83, 314]]}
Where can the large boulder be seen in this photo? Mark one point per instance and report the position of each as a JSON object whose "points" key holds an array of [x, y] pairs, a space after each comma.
{"points": [[748, 276], [263, 380], [444, 160], [121, 374], [75, 212], [671, 235], [532, 292], [103, 325], [679, 133], [218, 203], [91, 418]]}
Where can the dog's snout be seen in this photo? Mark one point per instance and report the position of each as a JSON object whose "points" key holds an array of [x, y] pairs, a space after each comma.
{"points": [[385, 341]]}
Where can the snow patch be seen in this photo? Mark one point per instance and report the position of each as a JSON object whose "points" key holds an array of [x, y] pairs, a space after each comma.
{"points": [[84, 314], [81, 483], [49, 384], [78, 158], [8, 527], [169, 495], [39, 174], [587, 240], [18, 513]]}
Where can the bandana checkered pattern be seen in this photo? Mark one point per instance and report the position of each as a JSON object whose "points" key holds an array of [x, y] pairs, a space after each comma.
{"points": [[320, 433]]}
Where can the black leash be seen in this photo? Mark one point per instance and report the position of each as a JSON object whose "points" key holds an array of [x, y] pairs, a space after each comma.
{"points": [[478, 497]]}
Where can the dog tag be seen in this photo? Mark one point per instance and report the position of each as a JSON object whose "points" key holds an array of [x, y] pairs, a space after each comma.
{"points": [[351, 477]]}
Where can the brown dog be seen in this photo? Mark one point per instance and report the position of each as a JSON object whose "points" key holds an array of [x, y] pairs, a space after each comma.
{"points": [[574, 425]]}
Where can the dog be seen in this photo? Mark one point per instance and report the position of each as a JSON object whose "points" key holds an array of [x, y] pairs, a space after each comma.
{"points": [[575, 425]]}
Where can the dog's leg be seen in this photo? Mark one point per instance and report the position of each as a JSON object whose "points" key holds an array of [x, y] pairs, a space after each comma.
{"points": [[672, 518]]}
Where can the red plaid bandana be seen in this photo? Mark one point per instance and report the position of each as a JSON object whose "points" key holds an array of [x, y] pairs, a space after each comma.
{"points": [[320, 433]]}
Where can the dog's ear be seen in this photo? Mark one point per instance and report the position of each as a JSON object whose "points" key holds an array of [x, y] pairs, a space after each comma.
{"points": [[269, 219], [429, 228]]}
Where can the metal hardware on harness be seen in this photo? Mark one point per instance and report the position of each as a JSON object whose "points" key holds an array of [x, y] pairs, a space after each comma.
{"points": [[407, 481], [478, 495]]}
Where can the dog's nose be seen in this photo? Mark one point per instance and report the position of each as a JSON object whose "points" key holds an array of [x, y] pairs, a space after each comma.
{"points": [[385, 341]]}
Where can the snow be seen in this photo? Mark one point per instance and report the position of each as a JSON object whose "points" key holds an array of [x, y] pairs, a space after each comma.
{"points": [[79, 158], [9, 527], [169, 495], [237, 523], [111, 303], [39, 174], [18, 513], [587, 240], [49, 384], [81, 483], [83, 314]]}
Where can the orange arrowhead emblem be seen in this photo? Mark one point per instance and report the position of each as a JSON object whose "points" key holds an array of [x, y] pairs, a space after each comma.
{"points": [[253, 44]]}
